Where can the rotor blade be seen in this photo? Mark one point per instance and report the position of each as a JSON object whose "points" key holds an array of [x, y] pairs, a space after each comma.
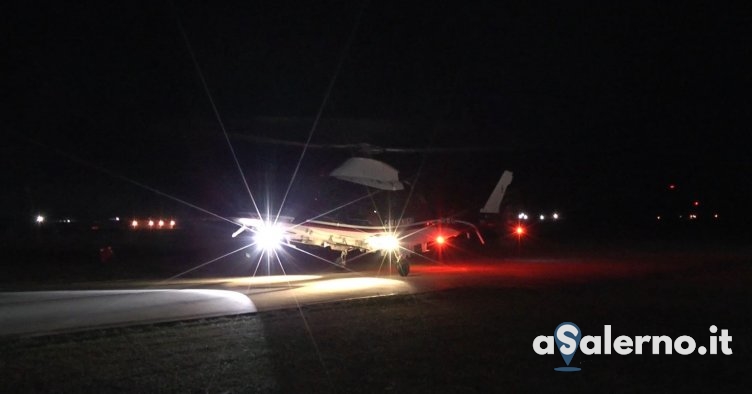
{"points": [[275, 141], [442, 150], [365, 148]]}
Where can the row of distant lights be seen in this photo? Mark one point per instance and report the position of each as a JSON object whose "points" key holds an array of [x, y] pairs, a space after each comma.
{"points": [[152, 224], [40, 219], [134, 224], [691, 216], [523, 216]]}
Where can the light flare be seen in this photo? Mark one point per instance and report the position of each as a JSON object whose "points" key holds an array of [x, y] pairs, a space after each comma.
{"points": [[384, 242], [269, 236]]}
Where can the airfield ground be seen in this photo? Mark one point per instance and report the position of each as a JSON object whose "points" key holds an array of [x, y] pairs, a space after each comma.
{"points": [[466, 338]]}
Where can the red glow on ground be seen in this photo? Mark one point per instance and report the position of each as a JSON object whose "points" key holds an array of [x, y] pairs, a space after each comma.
{"points": [[555, 270], [713, 269]]}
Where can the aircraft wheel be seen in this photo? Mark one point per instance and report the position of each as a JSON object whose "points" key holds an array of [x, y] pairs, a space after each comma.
{"points": [[340, 262], [403, 268], [342, 259]]}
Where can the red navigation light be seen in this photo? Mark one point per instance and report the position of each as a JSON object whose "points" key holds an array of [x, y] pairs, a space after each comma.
{"points": [[696, 203], [672, 186], [440, 240], [519, 230]]}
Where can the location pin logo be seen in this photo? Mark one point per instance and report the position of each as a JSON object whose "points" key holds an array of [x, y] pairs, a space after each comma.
{"points": [[567, 337]]}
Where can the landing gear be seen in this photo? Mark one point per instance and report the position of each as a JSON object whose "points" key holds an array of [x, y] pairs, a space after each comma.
{"points": [[403, 267], [342, 259]]}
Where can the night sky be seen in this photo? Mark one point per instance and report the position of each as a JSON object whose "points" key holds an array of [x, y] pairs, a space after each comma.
{"points": [[596, 107]]}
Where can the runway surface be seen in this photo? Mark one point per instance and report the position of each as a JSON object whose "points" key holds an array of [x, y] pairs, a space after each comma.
{"points": [[107, 304], [57, 311]]}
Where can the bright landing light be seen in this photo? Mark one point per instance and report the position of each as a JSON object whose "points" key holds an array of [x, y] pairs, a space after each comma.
{"points": [[385, 242], [268, 236]]}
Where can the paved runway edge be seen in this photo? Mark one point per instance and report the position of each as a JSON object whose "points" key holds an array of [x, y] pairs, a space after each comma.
{"points": [[24, 313]]}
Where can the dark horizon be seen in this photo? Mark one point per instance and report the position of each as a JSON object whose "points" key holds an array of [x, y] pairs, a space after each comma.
{"points": [[595, 109]]}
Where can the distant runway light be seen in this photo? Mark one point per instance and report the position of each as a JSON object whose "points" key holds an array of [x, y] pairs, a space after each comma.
{"points": [[151, 223], [160, 223], [556, 216], [658, 217], [542, 217], [40, 219], [134, 223]]}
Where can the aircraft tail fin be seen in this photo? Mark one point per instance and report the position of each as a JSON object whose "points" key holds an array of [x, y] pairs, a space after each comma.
{"points": [[494, 200]]}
